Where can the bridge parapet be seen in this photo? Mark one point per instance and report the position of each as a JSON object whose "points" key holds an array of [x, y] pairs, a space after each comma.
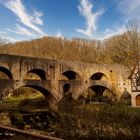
{"points": [[71, 82]]}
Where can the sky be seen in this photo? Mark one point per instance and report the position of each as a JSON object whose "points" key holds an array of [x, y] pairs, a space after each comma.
{"points": [[90, 19]]}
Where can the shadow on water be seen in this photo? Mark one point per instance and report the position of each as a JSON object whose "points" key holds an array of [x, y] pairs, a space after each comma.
{"points": [[11, 136], [28, 120]]}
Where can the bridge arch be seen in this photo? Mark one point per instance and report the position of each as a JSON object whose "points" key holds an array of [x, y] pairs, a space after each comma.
{"points": [[7, 72], [36, 92], [6, 82], [44, 91], [66, 88], [71, 75], [99, 93], [69, 82], [37, 73], [99, 76]]}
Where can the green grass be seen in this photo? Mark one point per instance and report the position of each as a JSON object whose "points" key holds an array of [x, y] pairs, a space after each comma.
{"points": [[16, 103], [13, 100], [121, 106]]}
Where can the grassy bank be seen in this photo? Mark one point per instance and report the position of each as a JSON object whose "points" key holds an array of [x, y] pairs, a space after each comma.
{"points": [[73, 120]]}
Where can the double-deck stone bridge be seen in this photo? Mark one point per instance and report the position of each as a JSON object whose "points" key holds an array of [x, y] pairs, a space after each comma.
{"points": [[55, 78]]}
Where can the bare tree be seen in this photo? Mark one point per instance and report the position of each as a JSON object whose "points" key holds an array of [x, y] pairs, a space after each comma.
{"points": [[126, 49], [3, 43]]}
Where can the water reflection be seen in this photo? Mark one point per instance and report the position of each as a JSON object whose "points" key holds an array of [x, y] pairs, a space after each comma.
{"points": [[11, 136]]}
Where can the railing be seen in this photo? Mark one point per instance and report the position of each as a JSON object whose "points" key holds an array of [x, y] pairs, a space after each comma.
{"points": [[27, 134], [71, 82]]}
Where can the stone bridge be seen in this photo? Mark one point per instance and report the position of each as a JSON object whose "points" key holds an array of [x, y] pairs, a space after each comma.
{"points": [[54, 78]]}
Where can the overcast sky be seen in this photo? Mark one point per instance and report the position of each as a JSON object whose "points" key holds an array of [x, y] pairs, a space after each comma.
{"points": [[91, 19]]}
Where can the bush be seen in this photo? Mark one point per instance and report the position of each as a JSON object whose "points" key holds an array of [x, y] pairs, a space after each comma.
{"points": [[109, 121]]}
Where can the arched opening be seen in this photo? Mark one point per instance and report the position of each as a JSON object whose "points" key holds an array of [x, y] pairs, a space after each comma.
{"points": [[36, 74], [71, 75], [138, 100], [44, 91], [5, 73], [6, 83], [66, 88], [30, 90], [99, 93], [32, 97], [69, 82], [98, 76], [27, 93]]}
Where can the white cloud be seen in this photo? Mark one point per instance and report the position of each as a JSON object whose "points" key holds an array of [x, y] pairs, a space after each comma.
{"points": [[8, 38], [21, 31], [11, 39], [30, 21], [37, 17], [85, 8], [112, 32], [130, 8], [59, 34]]}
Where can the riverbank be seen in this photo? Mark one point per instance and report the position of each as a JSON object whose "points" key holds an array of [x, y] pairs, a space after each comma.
{"points": [[26, 114], [72, 120]]}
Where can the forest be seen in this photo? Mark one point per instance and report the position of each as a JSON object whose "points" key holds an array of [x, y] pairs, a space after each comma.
{"points": [[121, 49]]}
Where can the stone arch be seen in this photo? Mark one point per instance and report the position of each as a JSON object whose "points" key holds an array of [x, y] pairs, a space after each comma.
{"points": [[99, 76], [101, 88], [71, 75], [7, 72], [48, 96], [69, 82], [38, 72], [138, 100], [44, 91], [100, 93], [66, 88], [6, 82]]}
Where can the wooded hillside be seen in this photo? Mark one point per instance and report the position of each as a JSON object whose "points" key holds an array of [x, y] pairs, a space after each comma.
{"points": [[118, 49]]}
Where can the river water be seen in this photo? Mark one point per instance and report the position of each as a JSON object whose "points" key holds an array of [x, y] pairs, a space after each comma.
{"points": [[18, 137]]}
